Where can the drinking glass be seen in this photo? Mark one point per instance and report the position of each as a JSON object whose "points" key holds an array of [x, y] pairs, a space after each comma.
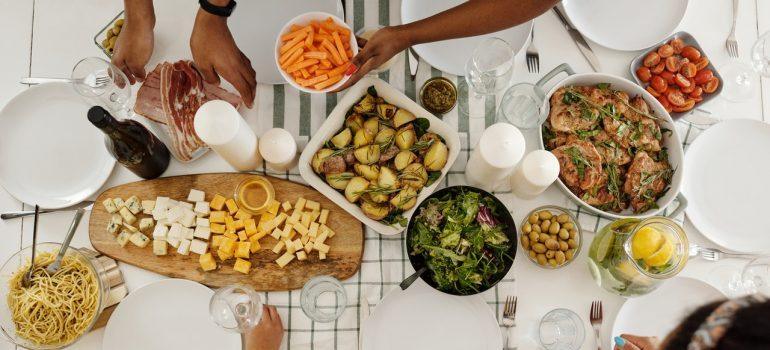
{"points": [[520, 106], [561, 329], [488, 70], [756, 276], [236, 308], [101, 83], [323, 299], [741, 79]]}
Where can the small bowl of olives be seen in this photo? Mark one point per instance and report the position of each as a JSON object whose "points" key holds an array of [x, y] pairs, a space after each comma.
{"points": [[551, 236]]}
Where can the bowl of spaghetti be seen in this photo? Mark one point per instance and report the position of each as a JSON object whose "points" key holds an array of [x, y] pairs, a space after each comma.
{"points": [[56, 309]]}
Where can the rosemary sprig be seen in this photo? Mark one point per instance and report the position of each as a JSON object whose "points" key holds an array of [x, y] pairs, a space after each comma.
{"points": [[378, 190], [341, 151], [420, 145], [579, 160]]}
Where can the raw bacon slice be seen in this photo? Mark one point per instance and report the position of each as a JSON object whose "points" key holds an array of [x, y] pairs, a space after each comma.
{"points": [[182, 94]]}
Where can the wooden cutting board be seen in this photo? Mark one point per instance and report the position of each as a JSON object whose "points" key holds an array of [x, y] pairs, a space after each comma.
{"points": [[342, 261]]}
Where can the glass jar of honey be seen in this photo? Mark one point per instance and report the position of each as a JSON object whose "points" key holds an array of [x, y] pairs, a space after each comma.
{"points": [[254, 194]]}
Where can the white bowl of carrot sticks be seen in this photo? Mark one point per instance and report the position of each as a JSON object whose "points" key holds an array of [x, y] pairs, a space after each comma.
{"points": [[313, 52]]}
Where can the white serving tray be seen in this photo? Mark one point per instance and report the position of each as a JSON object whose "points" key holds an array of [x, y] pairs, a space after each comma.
{"points": [[334, 122]]}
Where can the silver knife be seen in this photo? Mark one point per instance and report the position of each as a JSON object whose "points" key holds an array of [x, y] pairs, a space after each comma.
{"points": [[414, 61], [87, 205], [580, 41]]}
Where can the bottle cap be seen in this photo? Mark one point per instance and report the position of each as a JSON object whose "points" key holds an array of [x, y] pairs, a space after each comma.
{"points": [[99, 116]]}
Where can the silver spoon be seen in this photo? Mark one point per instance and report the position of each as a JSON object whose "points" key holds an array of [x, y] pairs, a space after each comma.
{"points": [[51, 269], [27, 280]]}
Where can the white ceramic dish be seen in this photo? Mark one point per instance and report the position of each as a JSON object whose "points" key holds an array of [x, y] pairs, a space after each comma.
{"points": [[626, 25], [168, 314], [728, 170], [421, 318], [40, 160], [658, 313], [670, 141], [334, 122], [302, 20], [450, 55]]}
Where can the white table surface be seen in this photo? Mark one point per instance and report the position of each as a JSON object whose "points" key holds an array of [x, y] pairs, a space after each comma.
{"points": [[46, 37]]}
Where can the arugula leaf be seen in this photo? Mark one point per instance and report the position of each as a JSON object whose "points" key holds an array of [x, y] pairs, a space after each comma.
{"points": [[603, 86], [432, 177], [372, 91], [421, 126]]}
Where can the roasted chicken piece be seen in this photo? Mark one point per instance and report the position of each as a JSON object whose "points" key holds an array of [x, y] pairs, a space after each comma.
{"points": [[581, 164], [570, 118], [645, 181], [611, 151]]}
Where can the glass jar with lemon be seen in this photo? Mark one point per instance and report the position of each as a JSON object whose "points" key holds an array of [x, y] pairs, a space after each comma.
{"points": [[632, 257]]}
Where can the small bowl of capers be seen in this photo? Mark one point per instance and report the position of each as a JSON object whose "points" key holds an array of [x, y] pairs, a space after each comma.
{"points": [[551, 236]]}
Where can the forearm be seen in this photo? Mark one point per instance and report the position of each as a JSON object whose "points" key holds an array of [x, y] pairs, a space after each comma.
{"points": [[474, 17], [139, 11]]}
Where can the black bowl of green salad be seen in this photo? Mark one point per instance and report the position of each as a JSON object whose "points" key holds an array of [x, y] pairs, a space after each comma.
{"points": [[465, 237]]}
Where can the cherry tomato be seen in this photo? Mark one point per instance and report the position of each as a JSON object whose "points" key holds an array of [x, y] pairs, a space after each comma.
{"points": [[663, 101], [644, 74], [652, 91], [703, 62], [658, 84], [659, 68], [667, 76], [677, 44], [711, 85], [676, 97], [683, 82], [688, 70], [703, 76], [686, 106], [697, 92], [691, 53], [698, 99], [665, 50], [652, 59], [673, 64]]}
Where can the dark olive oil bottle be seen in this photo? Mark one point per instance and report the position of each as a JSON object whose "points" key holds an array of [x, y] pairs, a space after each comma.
{"points": [[131, 144]]}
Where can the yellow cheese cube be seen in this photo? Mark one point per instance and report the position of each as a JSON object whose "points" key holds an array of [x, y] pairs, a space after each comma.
{"points": [[298, 245], [308, 247], [255, 246], [238, 224], [218, 202], [328, 231], [231, 206], [216, 241], [243, 236], [276, 233], [301, 255], [243, 250], [312, 205], [273, 206], [324, 215], [314, 215], [217, 217], [305, 219], [259, 235], [285, 259], [230, 223], [289, 246], [321, 256], [301, 229], [286, 206], [242, 266], [242, 215], [207, 262], [295, 216], [323, 248], [250, 226], [313, 229], [305, 239], [266, 217], [231, 235], [217, 228], [228, 245], [223, 255], [286, 230], [300, 204], [278, 220], [278, 247], [321, 237]]}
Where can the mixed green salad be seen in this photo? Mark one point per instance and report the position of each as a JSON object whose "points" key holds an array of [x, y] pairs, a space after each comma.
{"points": [[463, 242]]}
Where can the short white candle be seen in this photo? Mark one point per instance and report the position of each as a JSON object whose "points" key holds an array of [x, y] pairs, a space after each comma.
{"points": [[278, 148], [535, 173], [223, 129], [500, 148]]}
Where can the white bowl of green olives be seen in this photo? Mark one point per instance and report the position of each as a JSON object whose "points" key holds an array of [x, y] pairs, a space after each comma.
{"points": [[551, 237]]}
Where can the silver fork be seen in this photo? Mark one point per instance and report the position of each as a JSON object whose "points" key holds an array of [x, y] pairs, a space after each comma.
{"points": [[509, 318], [596, 321], [712, 254], [533, 57], [100, 81], [732, 43]]}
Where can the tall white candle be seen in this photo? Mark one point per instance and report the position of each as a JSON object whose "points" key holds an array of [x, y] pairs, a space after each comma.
{"points": [[221, 127], [499, 149], [535, 173], [278, 148]]}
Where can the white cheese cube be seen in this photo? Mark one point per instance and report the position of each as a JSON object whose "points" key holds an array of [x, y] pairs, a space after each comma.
{"points": [[175, 214], [184, 247], [160, 232], [159, 247], [185, 205], [139, 239], [176, 231], [202, 209], [115, 222], [199, 247], [196, 196], [147, 207], [188, 218], [128, 217], [202, 232], [134, 205], [172, 202], [161, 208], [202, 222], [110, 206], [163, 222], [285, 259], [146, 224], [130, 228], [123, 238], [188, 233], [174, 242], [118, 202]]}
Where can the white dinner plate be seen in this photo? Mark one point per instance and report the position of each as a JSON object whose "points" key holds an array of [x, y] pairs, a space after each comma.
{"points": [[626, 25], [658, 313], [450, 55], [254, 24], [50, 154], [726, 184], [422, 318], [168, 314]]}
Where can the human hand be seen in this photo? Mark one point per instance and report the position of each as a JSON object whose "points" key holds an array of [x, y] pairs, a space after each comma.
{"points": [[215, 53], [384, 44], [633, 342], [268, 334], [134, 45]]}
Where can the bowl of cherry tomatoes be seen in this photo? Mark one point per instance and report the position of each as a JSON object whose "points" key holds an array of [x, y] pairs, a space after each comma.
{"points": [[678, 74]]}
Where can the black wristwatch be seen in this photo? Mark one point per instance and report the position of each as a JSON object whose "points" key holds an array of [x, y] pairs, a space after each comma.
{"points": [[221, 11]]}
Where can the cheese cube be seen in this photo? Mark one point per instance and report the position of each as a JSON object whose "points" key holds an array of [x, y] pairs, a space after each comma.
{"points": [[301, 255], [160, 232], [300, 205], [295, 216], [176, 231], [278, 247], [230, 223], [148, 207], [243, 250], [324, 215], [308, 247], [174, 214], [278, 220], [130, 228], [305, 239], [231, 206], [217, 217], [110, 206], [323, 248], [202, 209], [289, 246], [216, 241], [217, 228], [255, 246], [242, 236], [228, 245], [305, 219], [115, 222], [223, 255], [301, 229], [238, 224], [184, 247], [199, 247], [312, 205], [231, 235], [326, 229], [313, 229], [207, 262], [314, 215], [134, 205], [321, 256], [285, 259], [196, 196], [118, 202], [127, 216], [273, 207], [218, 202], [174, 242], [286, 231], [321, 237], [188, 233], [185, 205], [242, 214], [286, 206], [159, 247], [202, 232], [298, 244], [146, 224], [188, 219], [250, 226], [139, 239], [242, 266], [201, 222], [259, 235], [123, 238], [161, 208], [276, 233]]}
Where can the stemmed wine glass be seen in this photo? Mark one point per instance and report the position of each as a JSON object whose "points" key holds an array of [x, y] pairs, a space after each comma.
{"points": [[752, 278], [488, 70], [101, 83], [236, 308], [741, 79]]}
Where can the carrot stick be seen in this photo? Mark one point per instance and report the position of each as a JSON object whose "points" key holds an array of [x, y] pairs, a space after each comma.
{"points": [[320, 72], [290, 54], [294, 33], [316, 54], [312, 68], [328, 82], [301, 64], [309, 39], [305, 73], [335, 55], [340, 48], [289, 45], [339, 70], [321, 37], [326, 63], [313, 81]]}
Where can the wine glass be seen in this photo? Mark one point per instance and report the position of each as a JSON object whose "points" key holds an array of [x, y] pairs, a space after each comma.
{"points": [[741, 79], [488, 70], [236, 308], [755, 277], [101, 83]]}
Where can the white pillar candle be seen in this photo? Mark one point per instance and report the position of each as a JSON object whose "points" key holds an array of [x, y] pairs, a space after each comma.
{"points": [[221, 127], [499, 149], [278, 148], [535, 173]]}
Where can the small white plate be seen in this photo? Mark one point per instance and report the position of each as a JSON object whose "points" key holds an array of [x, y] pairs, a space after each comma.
{"points": [[422, 318], [450, 55], [168, 314], [626, 25], [50, 154], [728, 168], [658, 313]]}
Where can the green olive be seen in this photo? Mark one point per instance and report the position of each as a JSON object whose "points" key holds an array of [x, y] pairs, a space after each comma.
{"points": [[539, 248], [553, 262], [545, 214], [552, 244], [119, 22], [527, 228], [545, 225], [572, 243], [550, 254], [564, 234], [532, 254], [573, 233], [543, 237], [533, 237], [554, 228], [536, 228], [525, 242], [570, 254], [563, 246], [541, 259], [568, 226], [562, 218], [560, 257], [533, 219]]}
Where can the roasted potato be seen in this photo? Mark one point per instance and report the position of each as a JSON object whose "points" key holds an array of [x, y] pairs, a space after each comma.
{"points": [[355, 188], [405, 137], [318, 159], [385, 135], [333, 165], [405, 199], [386, 111], [339, 181], [342, 139], [375, 211], [355, 122], [436, 157], [387, 178], [363, 137], [379, 197], [366, 105], [373, 125], [402, 117], [403, 159], [414, 175], [369, 172], [368, 154]]}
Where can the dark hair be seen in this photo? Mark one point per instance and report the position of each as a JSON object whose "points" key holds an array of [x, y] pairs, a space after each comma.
{"points": [[750, 329]]}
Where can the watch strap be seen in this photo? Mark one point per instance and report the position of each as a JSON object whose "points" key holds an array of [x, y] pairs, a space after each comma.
{"points": [[221, 11]]}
